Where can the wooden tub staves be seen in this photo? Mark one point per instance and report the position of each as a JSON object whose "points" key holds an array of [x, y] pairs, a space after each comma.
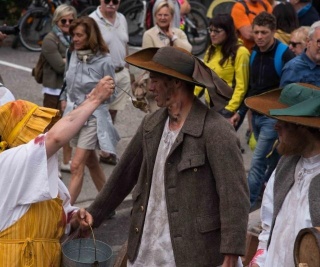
{"points": [[307, 248]]}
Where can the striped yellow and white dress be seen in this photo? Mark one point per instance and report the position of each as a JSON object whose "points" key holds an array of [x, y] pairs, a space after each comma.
{"points": [[34, 239]]}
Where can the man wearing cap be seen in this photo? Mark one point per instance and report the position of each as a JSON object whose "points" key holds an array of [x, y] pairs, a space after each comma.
{"points": [[184, 164], [34, 203], [291, 198], [305, 67]]}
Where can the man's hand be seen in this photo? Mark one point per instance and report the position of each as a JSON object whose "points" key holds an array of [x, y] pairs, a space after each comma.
{"points": [[234, 120], [254, 265], [230, 260], [81, 218]]}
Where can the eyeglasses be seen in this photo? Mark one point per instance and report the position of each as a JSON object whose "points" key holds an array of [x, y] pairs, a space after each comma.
{"points": [[64, 21], [215, 31], [294, 44], [318, 42], [113, 1]]}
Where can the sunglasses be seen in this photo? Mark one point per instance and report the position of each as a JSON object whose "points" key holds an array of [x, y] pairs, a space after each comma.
{"points": [[210, 30], [294, 44], [64, 21], [113, 1]]}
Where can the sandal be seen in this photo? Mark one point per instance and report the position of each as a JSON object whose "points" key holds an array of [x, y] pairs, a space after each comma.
{"points": [[111, 159]]}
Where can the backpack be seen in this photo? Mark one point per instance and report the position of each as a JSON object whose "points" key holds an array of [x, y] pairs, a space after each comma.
{"points": [[278, 63], [225, 7], [37, 71]]}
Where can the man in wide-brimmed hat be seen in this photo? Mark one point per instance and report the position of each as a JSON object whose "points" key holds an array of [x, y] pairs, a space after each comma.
{"points": [[190, 197], [291, 199], [35, 208]]}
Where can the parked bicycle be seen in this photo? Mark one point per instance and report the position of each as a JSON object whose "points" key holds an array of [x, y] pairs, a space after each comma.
{"points": [[36, 21], [195, 24]]}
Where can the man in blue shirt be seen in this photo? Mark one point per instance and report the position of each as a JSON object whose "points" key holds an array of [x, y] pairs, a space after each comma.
{"points": [[305, 68]]}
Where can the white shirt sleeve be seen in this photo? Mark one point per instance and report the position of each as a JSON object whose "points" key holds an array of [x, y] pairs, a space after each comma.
{"points": [[27, 177], [266, 214]]}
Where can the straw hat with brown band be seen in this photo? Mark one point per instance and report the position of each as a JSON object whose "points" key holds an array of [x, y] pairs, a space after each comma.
{"points": [[297, 103], [22, 121]]}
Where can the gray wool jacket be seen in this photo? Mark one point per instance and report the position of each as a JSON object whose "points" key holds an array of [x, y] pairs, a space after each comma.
{"points": [[205, 185], [53, 71]]}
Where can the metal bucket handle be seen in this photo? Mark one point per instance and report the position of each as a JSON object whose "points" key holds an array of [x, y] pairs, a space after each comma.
{"points": [[95, 263]]}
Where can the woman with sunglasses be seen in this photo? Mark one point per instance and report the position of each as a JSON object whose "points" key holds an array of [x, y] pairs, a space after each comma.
{"points": [[54, 47], [90, 61], [298, 40], [229, 59]]}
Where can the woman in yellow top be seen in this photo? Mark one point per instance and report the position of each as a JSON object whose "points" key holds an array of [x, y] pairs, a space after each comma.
{"points": [[229, 59]]}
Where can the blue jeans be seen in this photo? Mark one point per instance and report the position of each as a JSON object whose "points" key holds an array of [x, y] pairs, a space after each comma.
{"points": [[263, 130]]}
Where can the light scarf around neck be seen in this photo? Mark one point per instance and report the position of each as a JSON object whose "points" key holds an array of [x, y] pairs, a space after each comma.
{"points": [[85, 55], [65, 39]]}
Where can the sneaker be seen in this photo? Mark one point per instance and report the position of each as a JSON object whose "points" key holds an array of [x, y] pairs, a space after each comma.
{"points": [[65, 167]]}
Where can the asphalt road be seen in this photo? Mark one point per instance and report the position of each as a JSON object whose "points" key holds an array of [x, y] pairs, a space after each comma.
{"points": [[15, 69]]}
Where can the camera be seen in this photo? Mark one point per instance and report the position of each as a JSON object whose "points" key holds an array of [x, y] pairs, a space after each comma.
{"points": [[9, 29]]}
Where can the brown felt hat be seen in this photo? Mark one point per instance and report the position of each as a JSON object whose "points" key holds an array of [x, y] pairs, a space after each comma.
{"points": [[297, 103], [168, 60]]}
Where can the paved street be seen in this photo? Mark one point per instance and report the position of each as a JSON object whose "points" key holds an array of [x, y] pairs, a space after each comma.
{"points": [[19, 80]]}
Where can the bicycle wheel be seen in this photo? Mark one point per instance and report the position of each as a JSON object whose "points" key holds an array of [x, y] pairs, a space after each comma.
{"points": [[126, 4], [135, 20], [198, 6], [34, 26], [87, 11], [196, 30]]}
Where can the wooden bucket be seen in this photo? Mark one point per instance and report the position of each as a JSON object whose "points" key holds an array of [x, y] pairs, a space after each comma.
{"points": [[307, 248]]}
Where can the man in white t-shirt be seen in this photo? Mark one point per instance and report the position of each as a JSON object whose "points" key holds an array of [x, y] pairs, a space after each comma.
{"points": [[114, 30], [291, 200]]}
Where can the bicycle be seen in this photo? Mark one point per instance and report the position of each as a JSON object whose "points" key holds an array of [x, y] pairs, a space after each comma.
{"points": [[195, 24], [35, 24]]}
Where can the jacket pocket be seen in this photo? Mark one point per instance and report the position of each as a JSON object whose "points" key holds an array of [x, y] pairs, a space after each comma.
{"points": [[192, 162], [208, 223]]}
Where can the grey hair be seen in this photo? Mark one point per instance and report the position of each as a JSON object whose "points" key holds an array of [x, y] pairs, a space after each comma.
{"points": [[313, 27], [61, 11]]}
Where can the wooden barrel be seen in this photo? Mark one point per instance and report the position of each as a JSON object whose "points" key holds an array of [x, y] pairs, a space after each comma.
{"points": [[307, 248]]}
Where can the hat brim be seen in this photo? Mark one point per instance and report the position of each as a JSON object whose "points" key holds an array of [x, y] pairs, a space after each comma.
{"points": [[143, 60], [263, 103]]}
